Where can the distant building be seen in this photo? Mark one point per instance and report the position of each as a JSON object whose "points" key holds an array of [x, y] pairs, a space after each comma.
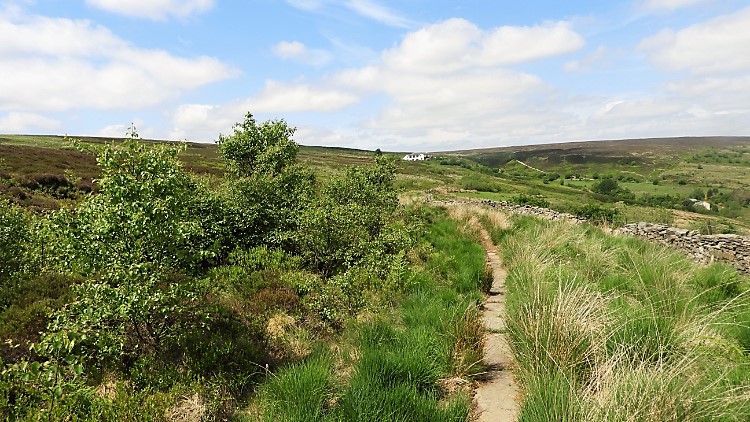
{"points": [[415, 157]]}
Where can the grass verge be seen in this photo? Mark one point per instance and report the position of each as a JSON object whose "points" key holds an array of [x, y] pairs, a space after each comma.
{"points": [[614, 329], [410, 360]]}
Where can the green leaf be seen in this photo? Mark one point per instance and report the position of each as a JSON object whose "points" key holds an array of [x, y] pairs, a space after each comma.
{"points": [[34, 368]]}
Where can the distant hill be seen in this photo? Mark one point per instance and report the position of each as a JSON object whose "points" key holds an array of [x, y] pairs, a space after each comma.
{"points": [[611, 151]]}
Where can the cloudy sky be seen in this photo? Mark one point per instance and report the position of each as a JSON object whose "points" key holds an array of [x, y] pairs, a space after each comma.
{"points": [[412, 75]]}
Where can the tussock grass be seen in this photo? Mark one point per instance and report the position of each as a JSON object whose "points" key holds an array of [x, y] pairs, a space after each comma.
{"points": [[413, 360], [613, 329]]}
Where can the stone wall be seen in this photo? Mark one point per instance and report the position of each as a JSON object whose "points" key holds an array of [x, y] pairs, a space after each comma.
{"points": [[705, 249], [515, 208]]}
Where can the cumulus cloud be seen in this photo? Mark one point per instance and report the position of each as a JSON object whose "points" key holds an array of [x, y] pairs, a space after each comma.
{"points": [[153, 9], [22, 122], [61, 64], [278, 97], [202, 122], [457, 44], [299, 52], [451, 82], [717, 45]]}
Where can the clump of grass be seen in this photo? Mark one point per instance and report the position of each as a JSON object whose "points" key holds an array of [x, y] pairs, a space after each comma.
{"points": [[465, 332], [665, 392], [301, 392], [550, 397], [615, 329], [558, 332]]}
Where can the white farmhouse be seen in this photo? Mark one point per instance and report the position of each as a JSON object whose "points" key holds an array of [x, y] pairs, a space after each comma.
{"points": [[415, 157]]}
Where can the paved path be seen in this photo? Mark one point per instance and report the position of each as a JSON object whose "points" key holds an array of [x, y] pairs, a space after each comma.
{"points": [[496, 396]]}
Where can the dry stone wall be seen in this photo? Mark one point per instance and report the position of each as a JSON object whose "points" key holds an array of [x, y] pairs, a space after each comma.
{"points": [[705, 249], [516, 209]]}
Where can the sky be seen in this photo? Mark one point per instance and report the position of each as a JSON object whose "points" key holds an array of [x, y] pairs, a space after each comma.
{"points": [[410, 75]]}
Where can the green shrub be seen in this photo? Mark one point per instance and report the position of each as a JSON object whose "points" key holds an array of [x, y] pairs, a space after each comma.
{"points": [[598, 213], [531, 200], [15, 237], [478, 184], [29, 306]]}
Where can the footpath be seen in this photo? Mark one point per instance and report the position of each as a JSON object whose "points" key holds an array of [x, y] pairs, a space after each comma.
{"points": [[496, 396]]}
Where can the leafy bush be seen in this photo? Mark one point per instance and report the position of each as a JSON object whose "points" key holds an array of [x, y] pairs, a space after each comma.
{"points": [[15, 237], [266, 189], [344, 224], [143, 216], [608, 186], [598, 213], [478, 184], [258, 148], [531, 200]]}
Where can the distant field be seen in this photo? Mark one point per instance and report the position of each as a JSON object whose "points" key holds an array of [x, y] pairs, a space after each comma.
{"points": [[679, 167]]}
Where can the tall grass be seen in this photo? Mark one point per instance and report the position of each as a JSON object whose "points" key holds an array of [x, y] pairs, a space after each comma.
{"points": [[613, 329], [405, 363]]}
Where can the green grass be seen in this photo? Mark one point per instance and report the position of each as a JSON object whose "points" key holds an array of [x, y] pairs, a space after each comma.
{"points": [[671, 162], [609, 328], [390, 367]]}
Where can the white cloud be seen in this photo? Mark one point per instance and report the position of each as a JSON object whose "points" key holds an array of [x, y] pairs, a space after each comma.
{"points": [[378, 12], [120, 130], [717, 45], [22, 122], [297, 51], [61, 64], [366, 8], [202, 122], [514, 44], [445, 83], [457, 44], [669, 5], [278, 97], [153, 9], [450, 82]]}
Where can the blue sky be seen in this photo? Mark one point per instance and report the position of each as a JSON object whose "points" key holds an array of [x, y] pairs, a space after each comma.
{"points": [[415, 75]]}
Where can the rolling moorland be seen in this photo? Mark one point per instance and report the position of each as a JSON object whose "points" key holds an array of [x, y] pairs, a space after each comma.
{"points": [[259, 280]]}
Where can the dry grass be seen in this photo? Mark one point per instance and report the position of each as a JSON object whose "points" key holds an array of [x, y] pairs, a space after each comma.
{"points": [[287, 339], [622, 328], [190, 408]]}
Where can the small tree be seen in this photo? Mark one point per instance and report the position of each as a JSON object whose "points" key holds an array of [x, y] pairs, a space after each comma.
{"points": [[606, 186], [266, 188], [132, 241], [252, 148], [347, 220]]}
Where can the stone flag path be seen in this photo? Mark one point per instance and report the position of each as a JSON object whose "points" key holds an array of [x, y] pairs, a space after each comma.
{"points": [[496, 396]]}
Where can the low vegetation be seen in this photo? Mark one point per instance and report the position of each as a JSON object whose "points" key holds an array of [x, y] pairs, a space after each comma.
{"points": [[609, 328], [169, 296], [257, 280]]}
